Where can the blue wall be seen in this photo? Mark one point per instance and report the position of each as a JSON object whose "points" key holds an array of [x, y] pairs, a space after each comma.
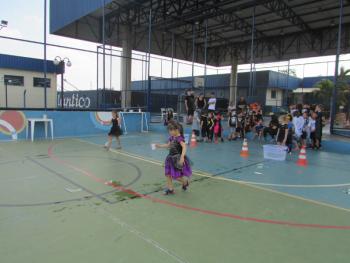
{"points": [[70, 123], [310, 82], [264, 79], [30, 64], [281, 80]]}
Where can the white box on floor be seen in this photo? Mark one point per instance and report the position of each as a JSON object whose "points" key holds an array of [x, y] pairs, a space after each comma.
{"points": [[275, 152]]}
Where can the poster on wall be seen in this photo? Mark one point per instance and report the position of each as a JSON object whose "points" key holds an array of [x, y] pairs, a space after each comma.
{"points": [[12, 123]]}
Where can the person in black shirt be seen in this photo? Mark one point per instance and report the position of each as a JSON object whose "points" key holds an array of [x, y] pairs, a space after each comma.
{"points": [[285, 133], [210, 127], [319, 126], [272, 129], [204, 126], [242, 104], [169, 117], [240, 123], [259, 116], [115, 131], [190, 106], [201, 102]]}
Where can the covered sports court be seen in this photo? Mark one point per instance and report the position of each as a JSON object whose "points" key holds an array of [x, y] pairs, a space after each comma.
{"points": [[70, 200]]}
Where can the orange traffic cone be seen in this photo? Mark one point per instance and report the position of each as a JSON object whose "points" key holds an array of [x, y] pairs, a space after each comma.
{"points": [[193, 140], [245, 151], [302, 161]]}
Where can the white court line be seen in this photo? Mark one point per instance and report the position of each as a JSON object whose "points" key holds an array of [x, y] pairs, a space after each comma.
{"points": [[19, 178], [295, 185], [143, 236], [207, 175], [201, 173]]}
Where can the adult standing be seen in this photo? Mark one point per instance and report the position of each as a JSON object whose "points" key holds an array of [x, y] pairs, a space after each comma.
{"points": [[242, 103], [201, 103], [319, 124], [212, 103], [231, 106], [190, 106]]}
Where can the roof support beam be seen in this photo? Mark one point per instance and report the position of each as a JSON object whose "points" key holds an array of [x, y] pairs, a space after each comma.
{"points": [[285, 11]]}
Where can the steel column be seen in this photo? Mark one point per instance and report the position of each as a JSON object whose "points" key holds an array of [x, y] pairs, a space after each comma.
{"points": [[149, 106], [252, 54], [336, 74], [45, 54]]}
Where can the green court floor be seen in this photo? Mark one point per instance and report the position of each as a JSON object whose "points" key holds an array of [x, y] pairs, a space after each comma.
{"points": [[57, 205]]}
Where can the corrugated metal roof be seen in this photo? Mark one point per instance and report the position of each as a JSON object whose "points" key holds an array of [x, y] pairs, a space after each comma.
{"points": [[64, 12], [29, 64]]}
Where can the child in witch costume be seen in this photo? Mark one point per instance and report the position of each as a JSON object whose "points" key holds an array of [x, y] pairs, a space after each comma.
{"points": [[210, 127], [218, 128], [177, 165], [115, 131], [204, 126]]}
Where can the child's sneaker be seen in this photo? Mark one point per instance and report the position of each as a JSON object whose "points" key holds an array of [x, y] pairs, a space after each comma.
{"points": [[169, 192], [185, 186]]}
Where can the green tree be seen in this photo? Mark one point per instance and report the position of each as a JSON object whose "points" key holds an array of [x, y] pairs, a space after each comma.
{"points": [[344, 90], [324, 92]]}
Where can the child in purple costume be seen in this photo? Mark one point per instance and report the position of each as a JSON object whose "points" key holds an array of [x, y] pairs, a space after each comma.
{"points": [[177, 165]]}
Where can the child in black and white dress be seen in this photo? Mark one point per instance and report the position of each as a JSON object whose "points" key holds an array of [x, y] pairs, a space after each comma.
{"points": [[115, 131], [232, 123]]}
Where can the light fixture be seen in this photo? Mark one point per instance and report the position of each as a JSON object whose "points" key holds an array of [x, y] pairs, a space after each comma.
{"points": [[3, 24], [57, 60]]}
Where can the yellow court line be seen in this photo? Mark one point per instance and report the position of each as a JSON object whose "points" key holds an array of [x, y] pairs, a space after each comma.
{"points": [[207, 175]]}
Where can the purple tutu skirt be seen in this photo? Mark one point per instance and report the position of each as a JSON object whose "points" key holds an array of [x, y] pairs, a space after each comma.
{"points": [[174, 170]]}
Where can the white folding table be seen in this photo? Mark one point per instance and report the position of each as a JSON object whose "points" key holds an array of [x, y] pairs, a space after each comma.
{"points": [[31, 122]]}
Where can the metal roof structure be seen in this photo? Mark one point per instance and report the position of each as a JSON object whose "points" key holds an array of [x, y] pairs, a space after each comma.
{"points": [[283, 29], [27, 64]]}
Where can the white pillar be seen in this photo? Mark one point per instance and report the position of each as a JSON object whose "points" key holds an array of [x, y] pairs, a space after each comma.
{"points": [[233, 81], [126, 67]]}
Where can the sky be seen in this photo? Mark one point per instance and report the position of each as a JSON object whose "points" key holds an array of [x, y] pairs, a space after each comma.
{"points": [[26, 20]]}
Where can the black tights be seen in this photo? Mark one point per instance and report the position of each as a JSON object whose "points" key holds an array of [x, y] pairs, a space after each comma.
{"points": [[270, 131]]}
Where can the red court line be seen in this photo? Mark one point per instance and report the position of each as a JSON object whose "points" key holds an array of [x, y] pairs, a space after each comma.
{"points": [[186, 207]]}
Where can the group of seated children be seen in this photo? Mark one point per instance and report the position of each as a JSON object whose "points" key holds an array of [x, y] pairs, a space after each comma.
{"points": [[242, 121], [301, 127]]}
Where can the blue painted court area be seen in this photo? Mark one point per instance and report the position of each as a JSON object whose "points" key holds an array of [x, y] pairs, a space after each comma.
{"points": [[326, 179]]}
